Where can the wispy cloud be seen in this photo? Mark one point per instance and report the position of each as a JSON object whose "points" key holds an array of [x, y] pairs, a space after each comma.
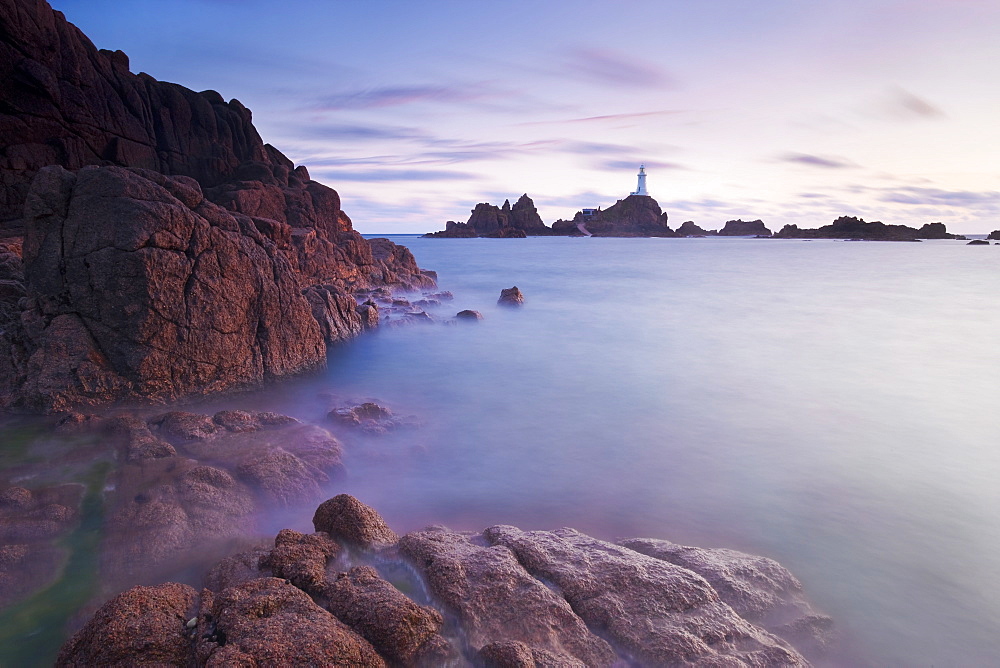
{"points": [[362, 132], [332, 176], [394, 96], [612, 68], [632, 164], [825, 162], [897, 104], [938, 197], [606, 118]]}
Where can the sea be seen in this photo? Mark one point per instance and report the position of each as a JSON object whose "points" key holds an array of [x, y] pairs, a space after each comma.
{"points": [[834, 405]]}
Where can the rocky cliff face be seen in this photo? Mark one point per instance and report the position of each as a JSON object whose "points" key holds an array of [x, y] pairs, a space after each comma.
{"points": [[175, 260]]}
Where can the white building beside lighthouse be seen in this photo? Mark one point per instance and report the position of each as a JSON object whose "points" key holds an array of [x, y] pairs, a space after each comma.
{"points": [[641, 188]]}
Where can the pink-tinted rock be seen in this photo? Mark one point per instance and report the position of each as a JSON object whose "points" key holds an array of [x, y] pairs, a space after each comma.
{"points": [[511, 297], [513, 654], [759, 589], [496, 600], [268, 622], [346, 519], [659, 613], [141, 626], [301, 559], [403, 632]]}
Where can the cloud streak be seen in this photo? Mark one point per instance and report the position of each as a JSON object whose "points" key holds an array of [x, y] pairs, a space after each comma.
{"points": [[825, 162], [612, 68]]}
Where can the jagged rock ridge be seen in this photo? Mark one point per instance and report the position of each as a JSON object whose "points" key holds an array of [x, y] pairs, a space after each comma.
{"points": [[184, 256], [489, 220]]}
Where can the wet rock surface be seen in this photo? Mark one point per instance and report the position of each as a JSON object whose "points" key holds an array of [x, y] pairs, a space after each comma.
{"points": [[658, 613], [496, 600], [759, 589], [504, 597], [346, 519]]}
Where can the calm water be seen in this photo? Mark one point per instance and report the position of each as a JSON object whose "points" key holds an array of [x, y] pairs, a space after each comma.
{"points": [[830, 404]]}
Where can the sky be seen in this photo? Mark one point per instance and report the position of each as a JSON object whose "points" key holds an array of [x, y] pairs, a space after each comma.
{"points": [[791, 111]]}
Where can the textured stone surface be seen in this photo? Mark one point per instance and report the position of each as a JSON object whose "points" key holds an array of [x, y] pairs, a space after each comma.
{"points": [[141, 626], [345, 518], [659, 613], [495, 599], [269, 622], [155, 268], [402, 631], [301, 559], [759, 589]]}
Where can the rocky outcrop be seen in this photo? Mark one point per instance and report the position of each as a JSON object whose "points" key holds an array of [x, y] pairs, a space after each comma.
{"points": [[453, 230], [512, 598], [744, 228], [634, 216], [689, 229], [196, 254], [506, 222], [511, 297], [995, 234], [850, 227]]}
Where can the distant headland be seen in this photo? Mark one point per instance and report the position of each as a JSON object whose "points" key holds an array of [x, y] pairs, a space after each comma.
{"points": [[639, 215]]}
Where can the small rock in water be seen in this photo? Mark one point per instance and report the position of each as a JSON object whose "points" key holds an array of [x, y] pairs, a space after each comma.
{"points": [[978, 242], [511, 297], [469, 314]]}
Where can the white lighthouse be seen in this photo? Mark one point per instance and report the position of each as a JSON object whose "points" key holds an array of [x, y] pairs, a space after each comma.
{"points": [[641, 188]]}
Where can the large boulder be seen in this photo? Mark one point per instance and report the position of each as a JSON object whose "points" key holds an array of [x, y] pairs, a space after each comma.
{"points": [[659, 613], [142, 626], [270, 622], [345, 518], [759, 589], [495, 599]]}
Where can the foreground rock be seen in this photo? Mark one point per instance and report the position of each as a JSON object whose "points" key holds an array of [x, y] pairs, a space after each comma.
{"points": [[760, 590], [514, 598], [661, 614]]}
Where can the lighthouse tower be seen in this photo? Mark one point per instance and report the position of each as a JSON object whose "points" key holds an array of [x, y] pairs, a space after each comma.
{"points": [[641, 188]]}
